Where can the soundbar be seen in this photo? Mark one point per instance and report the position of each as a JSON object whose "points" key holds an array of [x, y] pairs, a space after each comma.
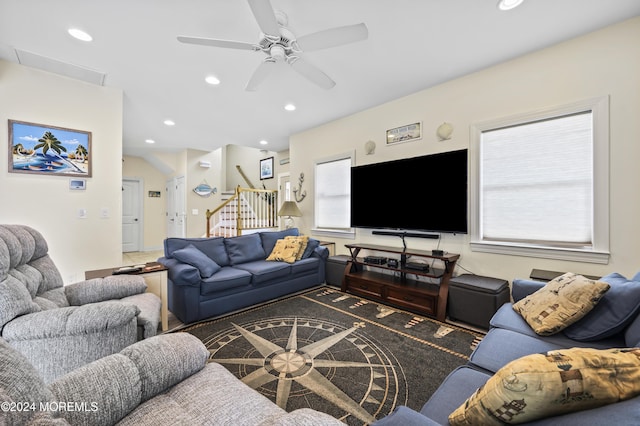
{"points": [[406, 234]]}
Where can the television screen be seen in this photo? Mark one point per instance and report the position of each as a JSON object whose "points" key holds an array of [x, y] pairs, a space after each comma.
{"points": [[427, 193]]}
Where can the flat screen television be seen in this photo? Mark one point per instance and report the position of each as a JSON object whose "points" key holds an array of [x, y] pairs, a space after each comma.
{"points": [[427, 193]]}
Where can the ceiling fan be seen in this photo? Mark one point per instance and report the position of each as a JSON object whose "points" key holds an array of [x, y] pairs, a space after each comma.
{"points": [[281, 45]]}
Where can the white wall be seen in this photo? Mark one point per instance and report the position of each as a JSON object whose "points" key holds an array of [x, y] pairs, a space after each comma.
{"points": [[45, 202], [606, 62]]}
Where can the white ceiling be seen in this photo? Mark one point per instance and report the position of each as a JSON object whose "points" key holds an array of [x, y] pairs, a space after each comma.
{"points": [[412, 45]]}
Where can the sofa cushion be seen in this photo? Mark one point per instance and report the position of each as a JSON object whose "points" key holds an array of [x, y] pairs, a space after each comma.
{"points": [[269, 238], [263, 271], [228, 277], [311, 246], [560, 303], [15, 300], [543, 385], [244, 248], [214, 248], [285, 250], [194, 257], [459, 385], [305, 266], [19, 383], [617, 308], [508, 319]]}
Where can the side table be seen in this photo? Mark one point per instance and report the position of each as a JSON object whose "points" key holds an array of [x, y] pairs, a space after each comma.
{"points": [[154, 274]]}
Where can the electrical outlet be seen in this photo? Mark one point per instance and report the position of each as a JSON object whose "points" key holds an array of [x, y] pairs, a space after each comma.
{"points": [[82, 213], [104, 213], [194, 212]]}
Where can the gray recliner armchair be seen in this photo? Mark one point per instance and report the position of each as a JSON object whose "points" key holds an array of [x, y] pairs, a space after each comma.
{"points": [[59, 328]]}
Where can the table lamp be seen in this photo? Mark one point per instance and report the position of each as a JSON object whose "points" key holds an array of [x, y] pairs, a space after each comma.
{"points": [[289, 209]]}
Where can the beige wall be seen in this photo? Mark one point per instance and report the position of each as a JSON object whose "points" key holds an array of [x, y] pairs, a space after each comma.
{"points": [[45, 202], [606, 62]]}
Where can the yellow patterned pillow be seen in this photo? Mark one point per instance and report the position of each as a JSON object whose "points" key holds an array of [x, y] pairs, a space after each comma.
{"points": [[560, 303], [558, 382], [304, 240], [285, 251]]}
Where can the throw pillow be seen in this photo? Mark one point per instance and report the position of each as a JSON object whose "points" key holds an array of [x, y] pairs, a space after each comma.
{"points": [[560, 303], [312, 244], [285, 251], [304, 240], [194, 257], [558, 382], [617, 308]]}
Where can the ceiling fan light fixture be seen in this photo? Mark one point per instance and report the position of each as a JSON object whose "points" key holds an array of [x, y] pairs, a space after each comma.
{"points": [[509, 4], [79, 34], [277, 52]]}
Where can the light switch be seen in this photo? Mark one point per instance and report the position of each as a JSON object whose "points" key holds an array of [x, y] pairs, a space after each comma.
{"points": [[194, 212], [104, 213], [82, 213]]}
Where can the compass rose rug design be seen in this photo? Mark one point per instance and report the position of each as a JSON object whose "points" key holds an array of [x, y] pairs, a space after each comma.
{"points": [[334, 352]]}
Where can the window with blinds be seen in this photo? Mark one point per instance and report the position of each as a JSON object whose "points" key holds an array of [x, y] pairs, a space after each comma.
{"points": [[542, 183], [333, 194], [537, 182]]}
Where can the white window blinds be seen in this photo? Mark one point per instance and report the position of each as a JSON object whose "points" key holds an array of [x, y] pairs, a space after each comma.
{"points": [[333, 194], [536, 182]]}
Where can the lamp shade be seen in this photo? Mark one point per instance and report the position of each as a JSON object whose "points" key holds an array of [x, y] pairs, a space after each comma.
{"points": [[289, 208]]}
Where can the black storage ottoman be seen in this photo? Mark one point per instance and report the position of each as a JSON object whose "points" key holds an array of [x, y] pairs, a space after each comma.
{"points": [[474, 299], [335, 269]]}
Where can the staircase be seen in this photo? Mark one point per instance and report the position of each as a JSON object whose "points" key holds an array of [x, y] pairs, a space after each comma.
{"points": [[246, 210]]}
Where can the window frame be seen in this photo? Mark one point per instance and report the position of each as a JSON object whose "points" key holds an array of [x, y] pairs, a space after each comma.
{"points": [[599, 251], [330, 232]]}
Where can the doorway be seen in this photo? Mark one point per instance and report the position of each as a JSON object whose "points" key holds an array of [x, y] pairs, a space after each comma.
{"points": [[132, 214], [176, 205]]}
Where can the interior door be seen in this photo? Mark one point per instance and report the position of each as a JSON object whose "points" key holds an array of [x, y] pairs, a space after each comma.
{"points": [[131, 215], [176, 210]]}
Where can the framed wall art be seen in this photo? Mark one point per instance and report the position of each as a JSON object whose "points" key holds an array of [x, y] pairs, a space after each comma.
{"points": [[410, 132], [266, 168], [48, 150]]}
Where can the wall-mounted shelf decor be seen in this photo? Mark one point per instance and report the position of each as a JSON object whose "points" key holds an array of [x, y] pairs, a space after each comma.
{"points": [[410, 132]]}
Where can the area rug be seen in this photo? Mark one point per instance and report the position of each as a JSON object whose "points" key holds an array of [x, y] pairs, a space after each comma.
{"points": [[334, 352]]}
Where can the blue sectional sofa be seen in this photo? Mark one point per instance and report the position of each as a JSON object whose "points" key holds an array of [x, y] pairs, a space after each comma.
{"points": [[613, 323], [214, 276]]}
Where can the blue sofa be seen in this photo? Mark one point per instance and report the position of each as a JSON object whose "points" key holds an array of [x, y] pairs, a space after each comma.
{"points": [[214, 276], [510, 338]]}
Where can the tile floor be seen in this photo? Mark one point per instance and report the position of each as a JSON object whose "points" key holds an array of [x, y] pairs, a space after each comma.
{"points": [[136, 257]]}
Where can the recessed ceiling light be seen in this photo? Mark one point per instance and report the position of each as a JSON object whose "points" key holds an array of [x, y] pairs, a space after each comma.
{"points": [[509, 4], [212, 80], [290, 107], [79, 34], [150, 141], [263, 142], [169, 123]]}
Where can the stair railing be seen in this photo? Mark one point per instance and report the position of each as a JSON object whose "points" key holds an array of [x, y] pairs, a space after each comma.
{"points": [[248, 209]]}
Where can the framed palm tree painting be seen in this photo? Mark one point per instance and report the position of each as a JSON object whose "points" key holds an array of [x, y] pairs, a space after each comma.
{"points": [[49, 150]]}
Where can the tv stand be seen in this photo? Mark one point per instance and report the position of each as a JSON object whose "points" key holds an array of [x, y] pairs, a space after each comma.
{"points": [[397, 288]]}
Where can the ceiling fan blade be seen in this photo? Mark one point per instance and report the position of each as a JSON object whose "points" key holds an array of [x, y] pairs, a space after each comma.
{"points": [[265, 16], [312, 73], [229, 44], [333, 37], [260, 74]]}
